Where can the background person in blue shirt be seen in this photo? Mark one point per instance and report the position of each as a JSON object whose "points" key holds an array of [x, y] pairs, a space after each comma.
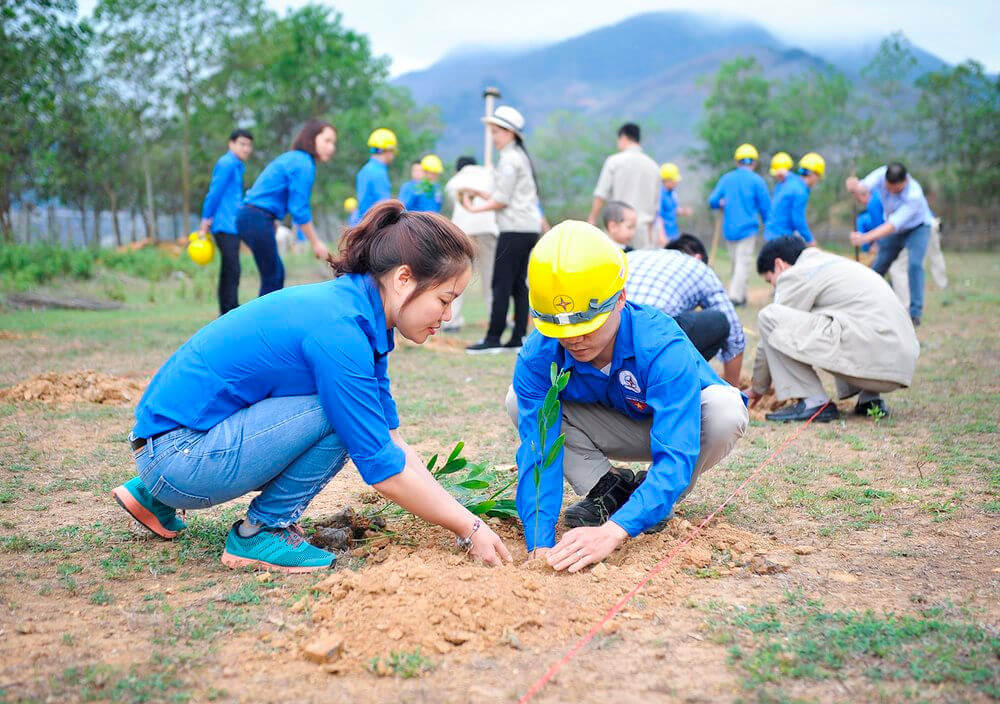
{"points": [[788, 211], [780, 169], [416, 176], [638, 391], [284, 187], [278, 394], [426, 195], [669, 209], [742, 195], [907, 224], [372, 184], [218, 213]]}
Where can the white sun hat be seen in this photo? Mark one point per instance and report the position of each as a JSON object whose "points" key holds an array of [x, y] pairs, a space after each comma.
{"points": [[507, 117]]}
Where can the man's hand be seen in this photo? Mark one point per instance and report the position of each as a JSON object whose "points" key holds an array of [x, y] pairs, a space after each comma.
{"points": [[206, 224], [685, 211], [857, 239], [851, 184], [586, 546], [754, 397]]}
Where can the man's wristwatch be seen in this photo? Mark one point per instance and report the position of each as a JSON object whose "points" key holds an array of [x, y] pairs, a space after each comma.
{"points": [[466, 542]]}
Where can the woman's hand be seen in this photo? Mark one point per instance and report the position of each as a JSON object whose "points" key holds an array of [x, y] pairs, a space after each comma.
{"points": [[586, 546], [857, 239], [487, 546], [753, 398], [467, 203], [320, 251]]}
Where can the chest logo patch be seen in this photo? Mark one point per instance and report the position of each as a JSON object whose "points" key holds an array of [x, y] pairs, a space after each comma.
{"points": [[628, 380]]}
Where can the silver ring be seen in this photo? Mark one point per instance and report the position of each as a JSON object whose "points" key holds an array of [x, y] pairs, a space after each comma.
{"points": [[579, 553]]}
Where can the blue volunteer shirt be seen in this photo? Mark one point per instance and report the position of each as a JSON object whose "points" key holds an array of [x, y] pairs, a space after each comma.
{"points": [[870, 218], [225, 194], [424, 196], [668, 213], [655, 372], [788, 210], [328, 338], [285, 186], [746, 200], [372, 185]]}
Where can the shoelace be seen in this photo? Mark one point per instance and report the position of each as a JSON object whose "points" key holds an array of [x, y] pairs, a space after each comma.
{"points": [[291, 537]]}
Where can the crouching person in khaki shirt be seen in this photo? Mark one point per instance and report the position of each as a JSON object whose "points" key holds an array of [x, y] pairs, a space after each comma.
{"points": [[833, 314]]}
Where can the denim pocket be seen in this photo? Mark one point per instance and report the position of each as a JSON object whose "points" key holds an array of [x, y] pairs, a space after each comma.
{"points": [[166, 492], [184, 440]]}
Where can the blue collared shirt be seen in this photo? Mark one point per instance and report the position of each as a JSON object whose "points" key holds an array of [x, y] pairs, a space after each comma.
{"points": [[225, 193], [870, 218], [905, 210], [675, 283], [668, 213], [788, 210], [746, 200], [328, 338], [421, 196], [372, 185], [285, 186], [655, 372]]}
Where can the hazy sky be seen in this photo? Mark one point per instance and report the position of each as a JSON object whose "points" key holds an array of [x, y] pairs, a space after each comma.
{"points": [[415, 33]]}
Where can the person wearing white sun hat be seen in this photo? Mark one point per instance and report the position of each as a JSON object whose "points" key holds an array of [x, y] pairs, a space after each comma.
{"points": [[519, 219]]}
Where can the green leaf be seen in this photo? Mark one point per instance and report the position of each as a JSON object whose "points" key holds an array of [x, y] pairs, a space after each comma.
{"points": [[553, 418], [554, 450], [431, 462], [502, 512], [482, 507], [561, 382], [476, 470], [474, 484], [452, 467], [509, 504], [536, 476], [456, 452], [503, 489], [551, 400], [553, 372]]}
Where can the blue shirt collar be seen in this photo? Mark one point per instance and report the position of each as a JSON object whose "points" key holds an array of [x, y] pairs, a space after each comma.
{"points": [[383, 335], [624, 348], [372, 160]]}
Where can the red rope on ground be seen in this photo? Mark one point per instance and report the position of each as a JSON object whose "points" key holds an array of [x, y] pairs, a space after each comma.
{"points": [[657, 568]]}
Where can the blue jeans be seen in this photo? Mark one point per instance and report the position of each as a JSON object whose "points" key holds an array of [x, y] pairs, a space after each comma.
{"points": [[915, 241], [256, 228], [283, 447]]}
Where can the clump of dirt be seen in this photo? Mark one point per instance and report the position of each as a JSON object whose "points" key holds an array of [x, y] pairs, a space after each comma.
{"points": [[345, 530], [422, 596], [77, 387]]}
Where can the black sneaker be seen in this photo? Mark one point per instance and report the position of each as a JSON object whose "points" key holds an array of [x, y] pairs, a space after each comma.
{"points": [[513, 343], [915, 319], [799, 412], [608, 495], [485, 347], [876, 408], [738, 304]]}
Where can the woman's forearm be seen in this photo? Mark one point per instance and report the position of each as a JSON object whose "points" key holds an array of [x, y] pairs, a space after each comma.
{"points": [[419, 493], [309, 231]]}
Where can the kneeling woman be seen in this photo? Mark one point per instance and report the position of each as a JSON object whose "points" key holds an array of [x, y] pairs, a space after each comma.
{"points": [[278, 394]]}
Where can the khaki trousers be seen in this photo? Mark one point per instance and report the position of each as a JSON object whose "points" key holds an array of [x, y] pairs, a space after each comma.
{"points": [[486, 250], [741, 252], [596, 434], [899, 277], [795, 379]]}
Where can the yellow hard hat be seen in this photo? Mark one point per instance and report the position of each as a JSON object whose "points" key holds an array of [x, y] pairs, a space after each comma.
{"points": [[575, 274], [431, 164], [200, 249], [746, 151], [382, 139], [350, 204], [670, 172], [813, 162], [782, 161]]}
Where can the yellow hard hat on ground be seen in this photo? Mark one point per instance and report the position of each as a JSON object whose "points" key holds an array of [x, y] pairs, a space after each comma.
{"points": [[431, 164], [670, 172], [200, 249], [383, 140], [746, 151], [813, 162], [350, 204], [575, 274], [782, 161]]}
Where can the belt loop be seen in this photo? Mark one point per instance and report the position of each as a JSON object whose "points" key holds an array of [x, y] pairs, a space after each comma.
{"points": [[149, 446]]}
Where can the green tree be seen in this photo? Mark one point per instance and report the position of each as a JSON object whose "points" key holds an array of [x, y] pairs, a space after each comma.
{"points": [[736, 111], [40, 43]]}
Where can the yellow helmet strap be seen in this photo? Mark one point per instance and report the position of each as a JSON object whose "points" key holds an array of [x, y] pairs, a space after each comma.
{"points": [[594, 309]]}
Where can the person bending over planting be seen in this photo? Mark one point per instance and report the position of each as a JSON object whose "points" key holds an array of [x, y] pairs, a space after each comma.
{"points": [[638, 391], [276, 395]]}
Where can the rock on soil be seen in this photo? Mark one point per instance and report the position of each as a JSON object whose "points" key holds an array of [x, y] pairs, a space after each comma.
{"points": [[85, 386]]}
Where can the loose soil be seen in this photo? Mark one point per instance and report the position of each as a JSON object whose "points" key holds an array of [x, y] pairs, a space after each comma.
{"points": [[77, 387]]}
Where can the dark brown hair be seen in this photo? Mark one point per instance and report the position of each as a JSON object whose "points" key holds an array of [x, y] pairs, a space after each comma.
{"points": [[305, 140], [390, 235]]}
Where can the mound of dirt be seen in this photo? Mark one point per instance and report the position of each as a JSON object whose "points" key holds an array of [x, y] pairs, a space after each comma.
{"points": [[422, 596], [85, 386]]}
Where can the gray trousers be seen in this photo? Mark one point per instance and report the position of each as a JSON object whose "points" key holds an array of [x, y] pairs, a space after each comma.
{"points": [[794, 379], [741, 252], [595, 435]]}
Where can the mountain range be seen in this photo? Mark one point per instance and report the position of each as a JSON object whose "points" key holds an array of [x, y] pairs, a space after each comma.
{"points": [[653, 68]]}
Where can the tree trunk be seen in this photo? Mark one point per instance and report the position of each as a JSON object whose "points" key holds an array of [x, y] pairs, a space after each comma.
{"points": [[113, 205], [5, 224], [83, 223], [150, 208], [53, 230], [185, 161], [96, 243]]}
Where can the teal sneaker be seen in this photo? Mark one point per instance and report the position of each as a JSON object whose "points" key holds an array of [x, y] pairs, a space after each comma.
{"points": [[162, 520], [279, 549]]}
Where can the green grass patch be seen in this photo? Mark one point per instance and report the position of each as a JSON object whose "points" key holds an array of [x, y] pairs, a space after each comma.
{"points": [[401, 664]]}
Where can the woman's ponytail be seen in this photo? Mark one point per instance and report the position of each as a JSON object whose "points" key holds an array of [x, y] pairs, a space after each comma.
{"points": [[531, 163], [356, 242]]}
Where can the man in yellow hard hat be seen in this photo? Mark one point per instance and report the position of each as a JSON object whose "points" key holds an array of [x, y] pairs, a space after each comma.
{"points": [[781, 166], [742, 196], [670, 175], [425, 195], [372, 183], [788, 209], [638, 391]]}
